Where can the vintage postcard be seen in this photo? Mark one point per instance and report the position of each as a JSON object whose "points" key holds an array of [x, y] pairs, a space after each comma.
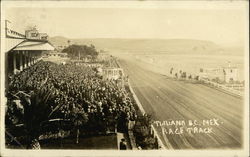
{"points": [[125, 78]]}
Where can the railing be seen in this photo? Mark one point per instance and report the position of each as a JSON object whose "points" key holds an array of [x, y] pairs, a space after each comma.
{"points": [[223, 87], [14, 34], [153, 130], [230, 90]]}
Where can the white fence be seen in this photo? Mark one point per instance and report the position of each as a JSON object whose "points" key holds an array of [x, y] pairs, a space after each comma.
{"points": [[154, 132], [223, 87]]}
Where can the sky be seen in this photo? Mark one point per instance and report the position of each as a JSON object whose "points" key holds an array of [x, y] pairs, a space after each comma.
{"points": [[222, 26]]}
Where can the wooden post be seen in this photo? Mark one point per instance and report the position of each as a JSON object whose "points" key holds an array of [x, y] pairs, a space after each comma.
{"points": [[14, 63], [21, 60], [25, 59], [29, 60]]}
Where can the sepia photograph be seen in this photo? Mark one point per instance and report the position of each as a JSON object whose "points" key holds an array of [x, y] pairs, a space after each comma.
{"points": [[126, 78]]}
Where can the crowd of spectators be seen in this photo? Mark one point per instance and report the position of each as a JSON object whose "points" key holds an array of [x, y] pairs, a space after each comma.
{"points": [[76, 87]]}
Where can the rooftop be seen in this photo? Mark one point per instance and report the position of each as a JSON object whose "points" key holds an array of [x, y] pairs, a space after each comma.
{"points": [[34, 45]]}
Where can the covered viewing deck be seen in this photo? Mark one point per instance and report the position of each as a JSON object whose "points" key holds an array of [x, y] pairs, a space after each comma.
{"points": [[25, 54]]}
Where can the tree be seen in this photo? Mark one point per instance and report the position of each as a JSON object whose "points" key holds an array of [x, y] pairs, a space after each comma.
{"points": [[78, 118], [74, 51], [36, 110]]}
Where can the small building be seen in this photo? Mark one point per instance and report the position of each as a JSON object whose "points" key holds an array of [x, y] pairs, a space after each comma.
{"points": [[33, 34], [112, 73], [227, 74], [230, 74], [43, 36], [211, 73], [55, 55]]}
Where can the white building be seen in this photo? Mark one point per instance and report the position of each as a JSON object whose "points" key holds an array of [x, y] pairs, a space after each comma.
{"points": [[211, 73], [33, 34], [231, 74], [112, 73], [226, 74], [55, 55]]}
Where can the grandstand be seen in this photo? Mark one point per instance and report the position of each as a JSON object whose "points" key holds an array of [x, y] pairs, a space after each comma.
{"points": [[50, 103], [22, 50]]}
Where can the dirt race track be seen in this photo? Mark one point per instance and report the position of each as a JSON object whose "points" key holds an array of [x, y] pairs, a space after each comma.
{"points": [[167, 99]]}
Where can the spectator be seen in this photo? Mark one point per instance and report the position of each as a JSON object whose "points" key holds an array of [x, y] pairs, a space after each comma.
{"points": [[76, 86], [123, 145]]}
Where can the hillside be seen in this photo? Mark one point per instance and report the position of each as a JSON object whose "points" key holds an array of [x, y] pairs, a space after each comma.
{"points": [[183, 46]]}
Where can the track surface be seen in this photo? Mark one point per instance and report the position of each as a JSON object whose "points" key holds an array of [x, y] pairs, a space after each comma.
{"points": [[168, 99]]}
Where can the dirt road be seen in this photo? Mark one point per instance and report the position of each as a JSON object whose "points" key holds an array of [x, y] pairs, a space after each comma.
{"points": [[167, 99]]}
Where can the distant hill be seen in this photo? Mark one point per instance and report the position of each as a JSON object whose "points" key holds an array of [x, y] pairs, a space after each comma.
{"points": [[183, 46], [58, 40]]}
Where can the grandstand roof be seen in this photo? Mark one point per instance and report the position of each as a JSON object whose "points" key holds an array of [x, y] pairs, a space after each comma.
{"points": [[34, 45], [11, 43]]}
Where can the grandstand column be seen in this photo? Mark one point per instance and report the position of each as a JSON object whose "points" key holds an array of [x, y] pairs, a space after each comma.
{"points": [[21, 60], [14, 63], [27, 58], [36, 57], [31, 59], [28, 55], [24, 59]]}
